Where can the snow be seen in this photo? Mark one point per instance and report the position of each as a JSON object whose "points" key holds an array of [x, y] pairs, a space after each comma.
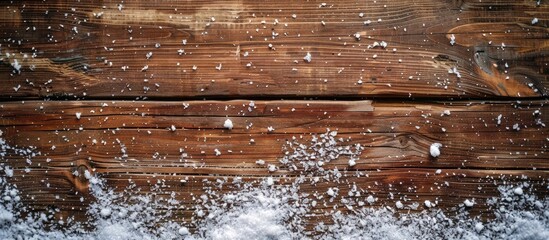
{"points": [[260, 162], [468, 203], [183, 231], [352, 162], [479, 226], [78, 115], [105, 212], [307, 57], [370, 199], [228, 124], [435, 149], [8, 171], [518, 191], [15, 64], [331, 192]]}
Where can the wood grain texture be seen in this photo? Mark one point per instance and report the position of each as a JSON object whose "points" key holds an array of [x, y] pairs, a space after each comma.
{"points": [[98, 49], [123, 140]]}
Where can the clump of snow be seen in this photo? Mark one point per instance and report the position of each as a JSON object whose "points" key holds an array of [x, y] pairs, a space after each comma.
{"points": [[308, 57], [260, 162], [78, 115], [183, 231], [468, 203], [518, 191], [435, 149], [8, 171], [228, 124], [16, 65]]}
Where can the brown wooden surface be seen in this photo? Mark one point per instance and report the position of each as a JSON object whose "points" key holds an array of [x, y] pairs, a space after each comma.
{"points": [[489, 35]]}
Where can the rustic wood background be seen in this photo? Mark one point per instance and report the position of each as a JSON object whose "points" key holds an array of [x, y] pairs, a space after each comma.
{"points": [[63, 57]]}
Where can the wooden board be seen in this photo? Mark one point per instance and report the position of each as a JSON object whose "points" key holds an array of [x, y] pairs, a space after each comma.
{"points": [[124, 140], [98, 49]]}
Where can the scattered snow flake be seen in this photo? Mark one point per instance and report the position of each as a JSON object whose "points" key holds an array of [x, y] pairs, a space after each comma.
{"points": [[228, 124], [270, 129], [452, 40], [331, 192], [271, 168], [217, 152], [307, 57], [445, 113], [260, 162], [435, 149], [428, 204], [383, 44], [357, 36], [370, 199], [352, 162], [438, 171], [78, 114], [15, 64], [535, 21], [469, 203], [516, 127]]}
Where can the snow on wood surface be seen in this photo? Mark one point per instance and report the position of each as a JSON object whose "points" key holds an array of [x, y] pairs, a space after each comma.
{"points": [[453, 146], [388, 142]]}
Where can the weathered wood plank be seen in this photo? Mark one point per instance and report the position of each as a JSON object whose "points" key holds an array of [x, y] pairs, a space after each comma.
{"points": [[498, 52], [112, 139]]}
